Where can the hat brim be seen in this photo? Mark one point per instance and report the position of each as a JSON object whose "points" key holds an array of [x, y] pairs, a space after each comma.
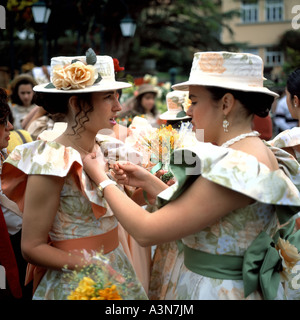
{"points": [[184, 86], [101, 86], [171, 116]]}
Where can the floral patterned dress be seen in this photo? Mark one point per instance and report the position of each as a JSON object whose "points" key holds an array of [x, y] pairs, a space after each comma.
{"points": [[285, 140], [81, 213], [232, 234]]}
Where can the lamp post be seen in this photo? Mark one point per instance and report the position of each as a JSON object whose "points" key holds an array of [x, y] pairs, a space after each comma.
{"points": [[41, 15], [128, 26]]}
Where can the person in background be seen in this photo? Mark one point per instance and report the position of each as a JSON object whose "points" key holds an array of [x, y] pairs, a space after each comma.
{"points": [[282, 118], [22, 98], [143, 104], [218, 207], [10, 222]]}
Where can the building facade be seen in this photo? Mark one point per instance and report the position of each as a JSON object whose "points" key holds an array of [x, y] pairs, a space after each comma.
{"points": [[260, 26]]}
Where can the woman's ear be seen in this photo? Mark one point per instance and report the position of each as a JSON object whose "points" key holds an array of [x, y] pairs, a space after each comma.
{"points": [[296, 101], [227, 103], [73, 104]]}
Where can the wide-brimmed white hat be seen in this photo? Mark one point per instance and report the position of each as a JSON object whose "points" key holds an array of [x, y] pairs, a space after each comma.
{"points": [[82, 74], [177, 103], [237, 71]]}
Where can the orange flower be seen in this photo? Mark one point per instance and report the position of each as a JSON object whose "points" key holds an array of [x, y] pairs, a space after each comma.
{"points": [[74, 76]]}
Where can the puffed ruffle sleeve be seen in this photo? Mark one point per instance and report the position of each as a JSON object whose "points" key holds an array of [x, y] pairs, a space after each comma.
{"points": [[235, 170], [47, 158]]}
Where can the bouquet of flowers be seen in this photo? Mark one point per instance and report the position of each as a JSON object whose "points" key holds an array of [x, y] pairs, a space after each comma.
{"points": [[157, 145], [99, 281]]}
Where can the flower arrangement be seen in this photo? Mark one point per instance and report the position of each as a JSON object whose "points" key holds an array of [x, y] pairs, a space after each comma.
{"points": [[99, 281], [88, 289], [157, 145]]}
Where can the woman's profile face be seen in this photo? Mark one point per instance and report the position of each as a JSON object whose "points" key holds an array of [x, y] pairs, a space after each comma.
{"points": [[289, 102], [206, 118], [5, 128], [106, 105], [25, 94], [148, 101]]}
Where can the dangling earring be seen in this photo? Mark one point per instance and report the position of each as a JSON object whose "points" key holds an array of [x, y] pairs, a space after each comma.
{"points": [[225, 124]]}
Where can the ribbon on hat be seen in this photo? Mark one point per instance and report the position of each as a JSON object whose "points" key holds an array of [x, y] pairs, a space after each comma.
{"points": [[263, 263]]}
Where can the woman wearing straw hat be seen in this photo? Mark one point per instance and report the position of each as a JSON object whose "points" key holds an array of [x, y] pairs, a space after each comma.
{"points": [[229, 192], [59, 200], [143, 104]]}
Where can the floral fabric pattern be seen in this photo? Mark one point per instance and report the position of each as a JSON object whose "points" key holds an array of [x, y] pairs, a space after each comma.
{"points": [[231, 234], [76, 216]]}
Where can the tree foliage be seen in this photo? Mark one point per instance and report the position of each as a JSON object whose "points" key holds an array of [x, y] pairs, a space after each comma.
{"points": [[168, 30]]}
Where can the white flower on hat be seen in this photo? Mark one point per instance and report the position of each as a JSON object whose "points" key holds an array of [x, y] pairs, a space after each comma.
{"points": [[74, 76]]}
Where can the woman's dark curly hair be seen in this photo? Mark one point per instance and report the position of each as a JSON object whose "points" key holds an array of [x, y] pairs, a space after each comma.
{"points": [[58, 104], [16, 83], [254, 102], [4, 107], [293, 84]]}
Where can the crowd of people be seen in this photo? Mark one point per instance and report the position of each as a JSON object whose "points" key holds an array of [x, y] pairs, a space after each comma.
{"points": [[78, 198]]}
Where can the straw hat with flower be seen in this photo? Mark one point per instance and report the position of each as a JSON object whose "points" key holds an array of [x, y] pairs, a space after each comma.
{"points": [[82, 74]]}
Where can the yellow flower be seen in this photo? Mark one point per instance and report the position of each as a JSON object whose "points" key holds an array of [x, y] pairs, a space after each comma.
{"points": [[289, 254], [74, 76], [110, 293]]}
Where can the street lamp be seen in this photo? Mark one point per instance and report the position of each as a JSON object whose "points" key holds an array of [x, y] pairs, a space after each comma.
{"points": [[41, 15], [128, 26]]}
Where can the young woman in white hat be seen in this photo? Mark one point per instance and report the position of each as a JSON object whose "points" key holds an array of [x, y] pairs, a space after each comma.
{"points": [[229, 194], [57, 198]]}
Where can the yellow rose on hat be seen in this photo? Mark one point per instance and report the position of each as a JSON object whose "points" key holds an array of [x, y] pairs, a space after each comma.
{"points": [[74, 76]]}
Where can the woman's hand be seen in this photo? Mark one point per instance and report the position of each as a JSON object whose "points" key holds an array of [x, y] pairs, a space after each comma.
{"points": [[131, 174], [94, 164]]}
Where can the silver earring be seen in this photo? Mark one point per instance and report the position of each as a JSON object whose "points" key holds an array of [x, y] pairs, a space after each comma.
{"points": [[225, 124], [295, 105]]}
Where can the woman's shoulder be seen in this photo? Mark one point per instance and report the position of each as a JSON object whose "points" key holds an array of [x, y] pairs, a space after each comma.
{"points": [[233, 169], [43, 157], [287, 138]]}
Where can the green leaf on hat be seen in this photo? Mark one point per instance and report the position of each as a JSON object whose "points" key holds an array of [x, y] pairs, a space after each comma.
{"points": [[181, 114], [98, 79], [91, 57], [50, 85]]}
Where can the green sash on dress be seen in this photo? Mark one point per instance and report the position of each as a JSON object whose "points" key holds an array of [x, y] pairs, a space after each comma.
{"points": [[259, 268]]}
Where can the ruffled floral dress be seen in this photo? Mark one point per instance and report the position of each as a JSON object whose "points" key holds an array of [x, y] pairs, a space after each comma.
{"points": [[232, 235], [285, 140], [82, 212]]}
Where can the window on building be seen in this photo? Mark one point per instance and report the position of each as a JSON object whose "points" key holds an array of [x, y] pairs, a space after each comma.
{"points": [[249, 11], [274, 10], [251, 50], [273, 58]]}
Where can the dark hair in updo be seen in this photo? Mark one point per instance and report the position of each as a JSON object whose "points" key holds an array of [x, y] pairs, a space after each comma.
{"points": [[4, 107], [293, 83], [254, 102], [58, 104]]}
